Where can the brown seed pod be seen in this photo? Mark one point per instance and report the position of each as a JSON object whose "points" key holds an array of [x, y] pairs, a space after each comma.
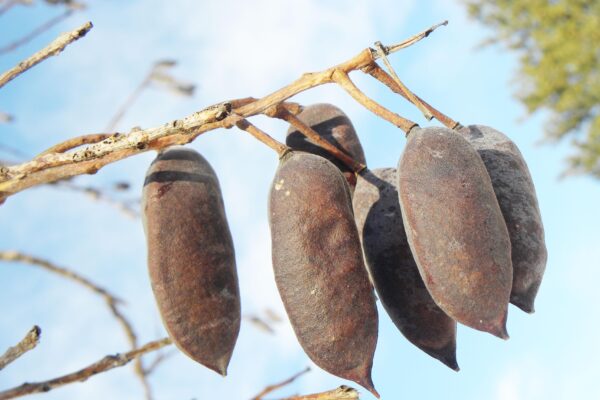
{"points": [[517, 199], [455, 228], [319, 268], [333, 125], [191, 257], [393, 269]]}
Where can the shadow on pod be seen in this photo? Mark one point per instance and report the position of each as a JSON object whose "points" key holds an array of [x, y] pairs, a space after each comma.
{"points": [[191, 257], [393, 269], [333, 125]]}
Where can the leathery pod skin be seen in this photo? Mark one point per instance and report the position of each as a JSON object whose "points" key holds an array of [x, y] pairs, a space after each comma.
{"points": [[517, 199], [393, 270], [333, 125], [191, 257], [455, 228], [318, 266]]}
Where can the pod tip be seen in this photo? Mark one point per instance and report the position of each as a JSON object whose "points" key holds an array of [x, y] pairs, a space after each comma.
{"points": [[367, 383], [499, 329]]}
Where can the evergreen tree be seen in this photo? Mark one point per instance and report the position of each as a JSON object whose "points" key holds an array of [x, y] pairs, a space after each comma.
{"points": [[559, 46]]}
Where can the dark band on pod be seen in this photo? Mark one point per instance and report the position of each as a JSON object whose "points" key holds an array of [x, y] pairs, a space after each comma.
{"points": [[191, 258], [333, 125]]}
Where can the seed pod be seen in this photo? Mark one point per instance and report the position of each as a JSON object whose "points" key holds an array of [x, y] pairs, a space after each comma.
{"points": [[333, 125], [319, 268], [455, 228], [516, 196], [191, 257], [393, 269]]}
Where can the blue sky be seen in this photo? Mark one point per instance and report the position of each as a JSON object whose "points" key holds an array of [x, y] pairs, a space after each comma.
{"points": [[237, 49]]}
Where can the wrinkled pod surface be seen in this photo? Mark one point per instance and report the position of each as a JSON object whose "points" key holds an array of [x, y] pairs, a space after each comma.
{"points": [[517, 199], [319, 268], [191, 257], [393, 269], [333, 125], [455, 228]]}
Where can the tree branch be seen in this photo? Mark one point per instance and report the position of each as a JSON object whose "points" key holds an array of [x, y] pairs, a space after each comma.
{"points": [[105, 364], [283, 113], [100, 195], [272, 388], [75, 142], [262, 136], [27, 343], [341, 393], [111, 301], [36, 32], [346, 83], [378, 73], [411, 96], [7, 6], [90, 159], [53, 49]]}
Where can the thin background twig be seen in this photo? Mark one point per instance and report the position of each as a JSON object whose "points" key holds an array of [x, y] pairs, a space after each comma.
{"points": [[111, 301], [31, 339], [36, 32], [276, 386], [105, 364], [53, 49]]}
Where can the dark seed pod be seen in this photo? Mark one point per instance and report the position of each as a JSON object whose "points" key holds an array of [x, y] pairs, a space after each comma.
{"points": [[394, 271], [319, 268], [333, 125], [191, 257], [516, 196], [455, 228]]}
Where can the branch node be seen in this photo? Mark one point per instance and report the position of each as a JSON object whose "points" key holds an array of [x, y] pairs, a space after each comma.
{"points": [[382, 51]]}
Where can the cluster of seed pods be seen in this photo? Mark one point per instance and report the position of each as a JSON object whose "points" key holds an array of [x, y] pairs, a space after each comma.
{"points": [[452, 235]]}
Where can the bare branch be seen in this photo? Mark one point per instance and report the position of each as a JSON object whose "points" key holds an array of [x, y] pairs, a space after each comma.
{"points": [[283, 113], [341, 393], [90, 159], [262, 136], [105, 364], [35, 33], [344, 81], [27, 343], [12, 256], [156, 74], [53, 49], [412, 98], [76, 142], [75, 5], [375, 71], [272, 388], [111, 301], [259, 323], [99, 195], [414, 39], [8, 5], [161, 356], [127, 105]]}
